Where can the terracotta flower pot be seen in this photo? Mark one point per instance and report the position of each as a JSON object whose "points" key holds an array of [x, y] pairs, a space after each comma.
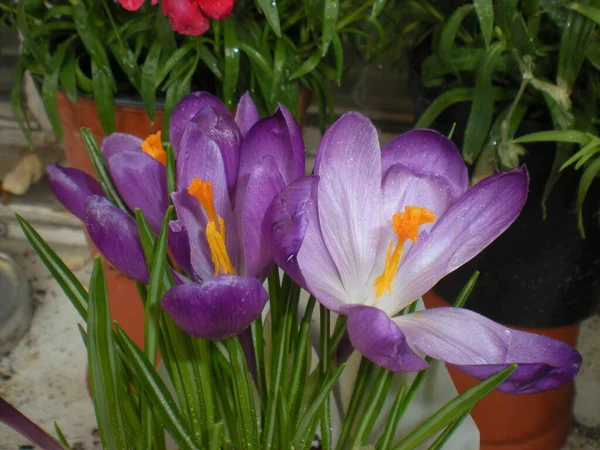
{"points": [[125, 305], [520, 422]]}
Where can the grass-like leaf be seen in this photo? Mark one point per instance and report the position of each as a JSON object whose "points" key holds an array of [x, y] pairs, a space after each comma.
{"points": [[453, 410], [107, 389], [67, 281], [154, 387]]}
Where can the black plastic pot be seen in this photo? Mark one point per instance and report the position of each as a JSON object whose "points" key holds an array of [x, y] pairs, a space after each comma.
{"points": [[540, 273]]}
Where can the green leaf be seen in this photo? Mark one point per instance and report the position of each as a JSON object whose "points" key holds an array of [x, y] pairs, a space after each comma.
{"points": [[589, 11], [67, 76], [61, 437], [242, 386], [457, 95], [16, 102], [104, 369], [149, 75], [171, 171], [173, 61], [232, 62], [308, 66], [442, 439], [156, 289], [104, 97], [570, 136], [387, 437], [466, 291], [330, 16], [89, 37], [461, 60], [269, 8], [50, 86], [68, 282], [40, 55], [485, 15], [211, 62], [154, 387], [480, 117], [308, 421], [127, 62], [520, 36], [257, 59], [97, 159], [574, 42], [589, 175], [453, 410], [373, 407], [378, 6], [85, 84], [175, 93], [338, 53], [279, 59], [448, 34]]}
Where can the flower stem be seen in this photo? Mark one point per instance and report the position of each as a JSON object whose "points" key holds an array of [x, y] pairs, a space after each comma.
{"points": [[360, 385], [324, 365]]}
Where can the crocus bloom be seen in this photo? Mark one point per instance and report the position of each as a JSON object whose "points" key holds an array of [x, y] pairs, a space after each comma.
{"points": [[226, 181], [137, 168], [372, 230]]}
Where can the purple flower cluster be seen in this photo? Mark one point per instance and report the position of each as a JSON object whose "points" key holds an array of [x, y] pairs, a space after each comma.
{"points": [[368, 233]]}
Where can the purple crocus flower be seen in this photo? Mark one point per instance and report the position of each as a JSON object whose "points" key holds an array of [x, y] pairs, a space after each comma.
{"points": [[374, 229], [227, 175], [137, 168]]}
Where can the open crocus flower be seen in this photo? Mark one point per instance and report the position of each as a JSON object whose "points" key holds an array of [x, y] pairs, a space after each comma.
{"points": [[226, 178], [372, 230]]}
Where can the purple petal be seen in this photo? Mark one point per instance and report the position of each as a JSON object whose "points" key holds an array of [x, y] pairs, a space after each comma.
{"points": [[264, 184], [142, 183], [198, 156], [71, 187], [291, 227], [179, 244], [269, 136], [349, 195], [120, 142], [470, 225], [191, 214], [378, 338], [427, 152], [222, 129], [222, 307], [402, 188], [296, 138], [116, 236], [187, 108], [482, 348], [246, 114]]}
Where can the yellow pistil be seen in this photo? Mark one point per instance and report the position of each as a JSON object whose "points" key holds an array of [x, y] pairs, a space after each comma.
{"points": [[152, 146], [215, 229], [406, 226]]}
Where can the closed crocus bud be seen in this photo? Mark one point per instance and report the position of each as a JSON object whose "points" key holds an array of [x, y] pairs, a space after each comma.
{"points": [[185, 16]]}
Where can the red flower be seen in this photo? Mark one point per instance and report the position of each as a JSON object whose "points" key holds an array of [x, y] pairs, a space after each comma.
{"points": [[185, 16], [216, 9], [134, 5]]}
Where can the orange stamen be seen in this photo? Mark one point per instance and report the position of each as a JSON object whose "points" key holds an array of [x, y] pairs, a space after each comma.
{"points": [[406, 226], [152, 146], [215, 229], [202, 190]]}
